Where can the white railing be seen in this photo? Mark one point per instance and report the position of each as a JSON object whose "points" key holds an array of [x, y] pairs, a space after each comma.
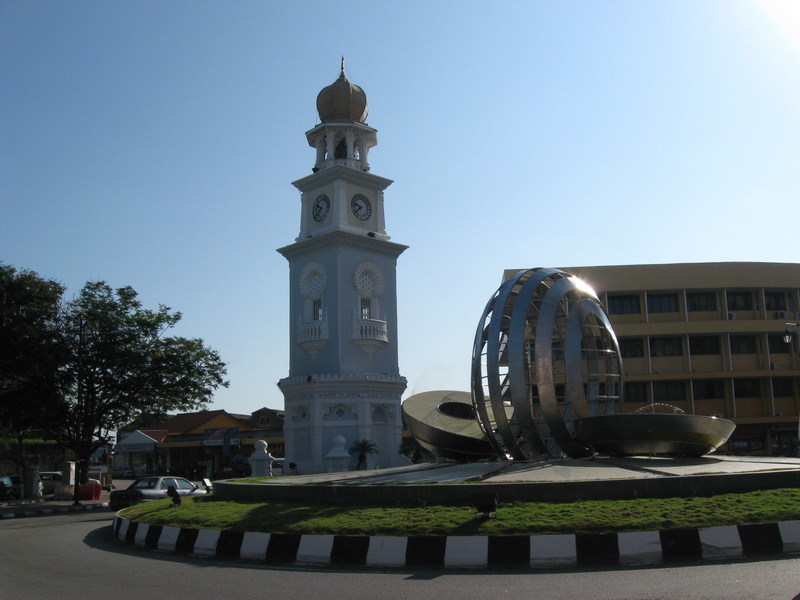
{"points": [[370, 329], [313, 336], [313, 331]]}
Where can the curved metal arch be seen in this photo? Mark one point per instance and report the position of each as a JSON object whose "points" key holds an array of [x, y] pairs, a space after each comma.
{"points": [[575, 352], [485, 421], [514, 344], [496, 348], [519, 359], [546, 326]]}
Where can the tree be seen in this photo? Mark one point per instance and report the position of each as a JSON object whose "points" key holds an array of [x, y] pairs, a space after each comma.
{"points": [[32, 353], [363, 448], [120, 366]]}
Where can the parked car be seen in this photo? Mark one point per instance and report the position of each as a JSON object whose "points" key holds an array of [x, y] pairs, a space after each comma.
{"points": [[16, 480], [123, 473], [50, 480], [151, 488], [7, 491]]}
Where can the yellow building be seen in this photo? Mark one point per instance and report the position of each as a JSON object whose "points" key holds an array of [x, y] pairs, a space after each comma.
{"points": [[708, 338]]}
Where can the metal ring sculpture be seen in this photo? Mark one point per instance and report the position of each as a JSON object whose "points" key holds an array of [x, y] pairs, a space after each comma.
{"points": [[545, 347]]}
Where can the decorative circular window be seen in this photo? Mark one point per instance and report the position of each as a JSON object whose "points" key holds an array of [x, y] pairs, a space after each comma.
{"points": [[369, 279], [312, 280]]}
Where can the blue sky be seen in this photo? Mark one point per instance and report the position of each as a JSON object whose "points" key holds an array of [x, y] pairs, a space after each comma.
{"points": [[153, 144]]}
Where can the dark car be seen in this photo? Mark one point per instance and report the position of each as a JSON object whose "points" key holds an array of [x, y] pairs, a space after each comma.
{"points": [[7, 491], [151, 488], [123, 473], [16, 480]]}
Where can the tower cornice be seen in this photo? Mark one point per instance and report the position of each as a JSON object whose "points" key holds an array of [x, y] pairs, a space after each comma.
{"points": [[341, 239], [346, 174]]}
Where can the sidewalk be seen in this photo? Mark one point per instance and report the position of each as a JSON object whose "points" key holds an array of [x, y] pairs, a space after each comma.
{"points": [[16, 509]]}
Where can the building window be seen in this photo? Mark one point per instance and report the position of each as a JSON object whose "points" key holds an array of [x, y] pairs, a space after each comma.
{"points": [[708, 389], [743, 344], [366, 308], [746, 388], [669, 391], [703, 344], [774, 301], [631, 347], [662, 303], [740, 300], [777, 345], [782, 387], [316, 309], [624, 305], [636, 392], [701, 301], [666, 346]]}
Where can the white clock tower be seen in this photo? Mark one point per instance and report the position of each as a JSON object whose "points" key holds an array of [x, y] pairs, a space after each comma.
{"points": [[344, 379]]}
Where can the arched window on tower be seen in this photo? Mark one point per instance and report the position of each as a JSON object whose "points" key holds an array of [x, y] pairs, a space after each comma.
{"points": [[366, 308], [341, 149], [316, 309], [369, 330]]}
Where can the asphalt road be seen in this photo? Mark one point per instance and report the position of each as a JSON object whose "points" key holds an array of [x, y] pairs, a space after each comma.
{"points": [[73, 556]]}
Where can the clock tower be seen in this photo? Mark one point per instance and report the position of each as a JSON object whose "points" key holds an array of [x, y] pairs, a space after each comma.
{"points": [[344, 379]]}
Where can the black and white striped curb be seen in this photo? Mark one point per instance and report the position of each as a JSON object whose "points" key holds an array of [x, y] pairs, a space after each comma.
{"points": [[33, 512], [545, 551]]}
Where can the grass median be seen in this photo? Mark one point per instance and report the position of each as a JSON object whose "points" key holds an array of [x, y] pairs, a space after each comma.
{"points": [[517, 518]]}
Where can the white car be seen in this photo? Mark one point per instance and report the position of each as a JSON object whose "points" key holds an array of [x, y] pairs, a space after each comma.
{"points": [[50, 480], [151, 488]]}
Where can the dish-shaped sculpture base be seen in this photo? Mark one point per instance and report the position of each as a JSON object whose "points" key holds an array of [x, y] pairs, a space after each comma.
{"points": [[443, 422], [653, 434]]}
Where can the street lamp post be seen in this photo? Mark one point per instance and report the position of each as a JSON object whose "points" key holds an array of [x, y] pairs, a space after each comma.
{"points": [[788, 336], [79, 410]]}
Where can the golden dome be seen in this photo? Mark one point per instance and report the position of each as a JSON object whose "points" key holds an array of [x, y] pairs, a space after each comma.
{"points": [[342, 101]]}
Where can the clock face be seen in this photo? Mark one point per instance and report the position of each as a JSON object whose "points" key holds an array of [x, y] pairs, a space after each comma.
{"points": [[321, 207], [361, 207]]}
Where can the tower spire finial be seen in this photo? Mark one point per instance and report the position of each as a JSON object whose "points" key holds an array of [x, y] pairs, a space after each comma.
{"points": [[341, 74]]}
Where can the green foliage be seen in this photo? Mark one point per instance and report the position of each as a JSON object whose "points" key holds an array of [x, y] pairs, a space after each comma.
{"points": [[362, 449], [77, 370], [121, 366], [519, 518], [31, 352]]}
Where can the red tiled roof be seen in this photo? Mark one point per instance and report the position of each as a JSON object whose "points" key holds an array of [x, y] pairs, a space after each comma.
{"points": [[186, 422]]}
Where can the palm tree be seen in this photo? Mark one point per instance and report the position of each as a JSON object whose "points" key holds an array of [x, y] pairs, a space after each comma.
{"points": [[363, 448]]}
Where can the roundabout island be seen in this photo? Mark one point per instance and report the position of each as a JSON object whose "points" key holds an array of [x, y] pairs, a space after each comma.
{"points": [[549, 482], [543, 427]]}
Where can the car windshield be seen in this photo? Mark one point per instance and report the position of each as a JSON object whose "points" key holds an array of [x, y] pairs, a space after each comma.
{"points": [[145, 484]]}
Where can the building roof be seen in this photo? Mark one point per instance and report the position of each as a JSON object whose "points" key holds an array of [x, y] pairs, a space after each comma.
{"points": [[187, 422], [685, 276], [159, 435]]}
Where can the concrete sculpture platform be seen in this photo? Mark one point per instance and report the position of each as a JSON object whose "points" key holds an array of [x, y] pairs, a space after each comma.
{"points": [[549, 480]]}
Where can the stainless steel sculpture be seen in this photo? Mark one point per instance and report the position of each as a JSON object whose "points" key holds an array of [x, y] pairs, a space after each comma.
{"points": [[654, 433], [443, 422], [547, 381], [544, 347]]}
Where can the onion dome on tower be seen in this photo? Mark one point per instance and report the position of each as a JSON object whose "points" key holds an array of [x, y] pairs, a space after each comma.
{"points": [[342, 138], [342, 102]]}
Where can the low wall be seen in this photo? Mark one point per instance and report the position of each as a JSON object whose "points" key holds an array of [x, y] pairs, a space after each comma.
{"points": [[460, 493]]}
